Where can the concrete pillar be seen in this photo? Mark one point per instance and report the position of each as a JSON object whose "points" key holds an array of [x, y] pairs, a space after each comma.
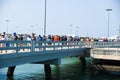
{"points": [[83, 62], [48, 74], [57, 72], [10, 71]]}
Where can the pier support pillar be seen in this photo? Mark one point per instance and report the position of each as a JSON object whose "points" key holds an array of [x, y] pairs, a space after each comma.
{"points": [[48, 75], [10, 71], [57, 71], [83, 62]]}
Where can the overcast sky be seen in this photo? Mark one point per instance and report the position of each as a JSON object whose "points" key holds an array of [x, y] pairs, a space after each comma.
{"points": [[80, 17]]}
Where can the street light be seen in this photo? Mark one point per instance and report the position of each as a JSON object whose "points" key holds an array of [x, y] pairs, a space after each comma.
{"points": [[108, 10], [119, 30], [17, 28], [7, 25], [77, 30], [45, 17], [31, 28], [71, 29]]}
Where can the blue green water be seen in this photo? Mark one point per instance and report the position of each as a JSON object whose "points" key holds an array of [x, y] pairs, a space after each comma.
{"points": [[70, 69]]}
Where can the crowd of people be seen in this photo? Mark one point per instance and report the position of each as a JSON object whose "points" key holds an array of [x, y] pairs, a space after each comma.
{"points": [[34, 37]]}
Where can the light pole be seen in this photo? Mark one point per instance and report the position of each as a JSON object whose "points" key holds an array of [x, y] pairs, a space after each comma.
{"points": [[108, 10], [45, 17], [119, 30], [17, 28], [32, 28], [71, 29], [7, 25], [77, 30]]}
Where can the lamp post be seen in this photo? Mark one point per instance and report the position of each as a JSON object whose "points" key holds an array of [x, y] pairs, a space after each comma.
{"points": [[32, 28], [45, 17], [17, 28], [108, 10], [119, 30], [7, 25], [77, 30], [71, 29]]}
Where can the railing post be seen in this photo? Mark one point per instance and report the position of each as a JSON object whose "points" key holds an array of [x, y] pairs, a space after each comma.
{"points": [[81, 44], [32, 46], [44, 48], [16, 42], [62, 43], [75, 43], [54, 45]]}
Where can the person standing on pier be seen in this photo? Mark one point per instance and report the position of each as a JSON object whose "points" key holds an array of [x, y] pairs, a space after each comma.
{"points": [[56, 39], [21, 39], [15, 36], [33, 37], [6, 38], [87, 41]]}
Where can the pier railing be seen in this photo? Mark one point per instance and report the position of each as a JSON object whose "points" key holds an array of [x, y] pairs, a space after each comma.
{"points": [[111, 48], [106, 50], [31, 46], [105, 44]]}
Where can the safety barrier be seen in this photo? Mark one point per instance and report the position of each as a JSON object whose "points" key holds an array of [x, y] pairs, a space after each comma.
{"points": [[31, 46]]}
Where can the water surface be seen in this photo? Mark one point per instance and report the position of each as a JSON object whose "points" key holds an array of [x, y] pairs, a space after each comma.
{"points": [[70, 69]]}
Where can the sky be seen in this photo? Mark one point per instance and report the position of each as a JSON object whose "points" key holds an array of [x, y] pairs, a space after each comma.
{"points": [[63, 17]]}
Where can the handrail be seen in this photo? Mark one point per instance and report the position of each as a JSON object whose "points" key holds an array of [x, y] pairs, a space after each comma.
{"points": [[106, 48], [31, 46], [105, 45]]}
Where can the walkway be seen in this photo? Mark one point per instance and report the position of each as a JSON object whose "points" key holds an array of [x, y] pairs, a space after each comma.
{"points": [[22, 52]]}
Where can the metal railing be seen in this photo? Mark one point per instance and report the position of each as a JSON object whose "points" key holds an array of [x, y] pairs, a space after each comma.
{"points": [[115, 52], [105, 45], [31, 46], [106, 48]]}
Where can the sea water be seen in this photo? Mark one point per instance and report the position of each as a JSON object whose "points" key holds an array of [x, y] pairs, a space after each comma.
{"points": [[70, 69]]}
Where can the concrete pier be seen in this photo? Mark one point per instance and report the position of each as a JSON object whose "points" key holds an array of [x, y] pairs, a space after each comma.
{"points": [[48, 74], [10, 71], [83, 62]]}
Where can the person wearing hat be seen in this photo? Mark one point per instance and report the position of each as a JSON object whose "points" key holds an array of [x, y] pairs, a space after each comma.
{"points": [[15, 36]]}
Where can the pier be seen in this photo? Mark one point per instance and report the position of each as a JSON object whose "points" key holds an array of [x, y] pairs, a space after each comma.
{"points": [[47, 53], [51, 52], [106, 57]]}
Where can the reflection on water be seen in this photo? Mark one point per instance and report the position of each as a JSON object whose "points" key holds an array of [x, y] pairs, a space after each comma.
{"points": [[70, 69]]}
